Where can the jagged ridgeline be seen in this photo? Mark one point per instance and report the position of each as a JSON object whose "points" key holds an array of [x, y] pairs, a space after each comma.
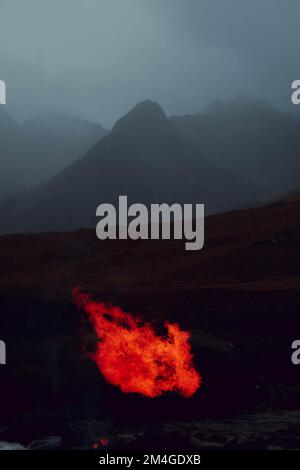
{"points": [[146, 157]]}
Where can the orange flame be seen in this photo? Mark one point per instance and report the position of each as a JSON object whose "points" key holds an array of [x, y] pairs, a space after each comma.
{"points": [[133, 357], [102, 442]]}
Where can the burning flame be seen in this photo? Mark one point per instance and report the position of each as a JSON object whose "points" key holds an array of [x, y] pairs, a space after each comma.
{"points": [[133, 357], [103, 442]]}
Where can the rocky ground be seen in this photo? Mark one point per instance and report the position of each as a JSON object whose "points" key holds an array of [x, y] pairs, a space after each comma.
{"points": [[270, 429]]}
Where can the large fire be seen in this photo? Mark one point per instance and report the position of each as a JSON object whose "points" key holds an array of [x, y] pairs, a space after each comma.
{"points": [[133, 357]]}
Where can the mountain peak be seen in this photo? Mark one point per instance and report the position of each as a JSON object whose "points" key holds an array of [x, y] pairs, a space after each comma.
{"points": [[149, 107], [144, 114]]}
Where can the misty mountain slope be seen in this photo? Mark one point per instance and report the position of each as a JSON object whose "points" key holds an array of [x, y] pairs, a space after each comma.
{"points": [[143, 157], [13, 154], [251, 139], [56, 140], [43, 146]]}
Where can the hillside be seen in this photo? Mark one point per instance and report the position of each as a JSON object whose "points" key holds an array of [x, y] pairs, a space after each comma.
{"points": [[56, 140], [251, 139], [35, 151]]}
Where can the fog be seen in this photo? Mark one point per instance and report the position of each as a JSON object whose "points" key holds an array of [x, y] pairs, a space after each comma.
{"points": [[97, 58]]}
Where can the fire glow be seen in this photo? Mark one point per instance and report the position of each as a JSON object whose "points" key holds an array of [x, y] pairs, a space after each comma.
{"points": [[133, 357]]}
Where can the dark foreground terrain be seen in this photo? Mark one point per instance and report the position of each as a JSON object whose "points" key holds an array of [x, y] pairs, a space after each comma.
{"points": [[239, 297]]}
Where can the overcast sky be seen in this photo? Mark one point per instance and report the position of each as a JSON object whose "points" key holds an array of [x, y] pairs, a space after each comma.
{"points": [[97, 58]]}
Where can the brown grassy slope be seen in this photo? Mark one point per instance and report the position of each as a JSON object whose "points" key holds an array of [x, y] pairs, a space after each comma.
{"points": [[256, 249]]}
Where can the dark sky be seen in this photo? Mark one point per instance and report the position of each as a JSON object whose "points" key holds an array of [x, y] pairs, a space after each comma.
{"points": [[98, 58]]}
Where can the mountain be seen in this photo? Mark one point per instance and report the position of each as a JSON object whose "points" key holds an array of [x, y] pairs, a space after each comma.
{"points": [[13, 173], [33, 152], [143, 157], [56, 140], [251, 139]]}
